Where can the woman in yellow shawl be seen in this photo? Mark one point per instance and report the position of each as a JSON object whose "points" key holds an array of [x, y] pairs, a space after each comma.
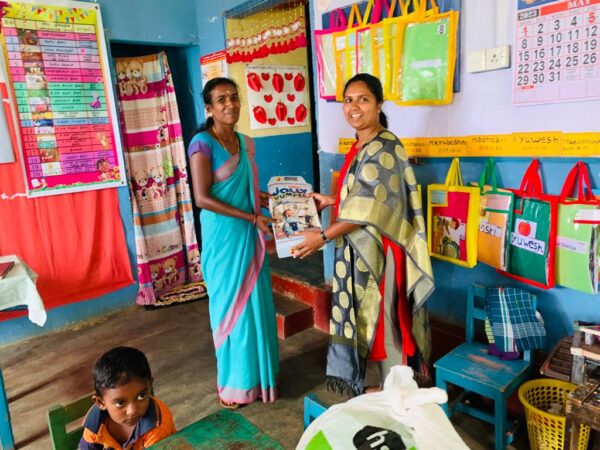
{"points": [[382, 275]]}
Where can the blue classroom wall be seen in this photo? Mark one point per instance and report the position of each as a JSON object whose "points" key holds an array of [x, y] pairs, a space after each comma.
{"points": [[150, 21]]}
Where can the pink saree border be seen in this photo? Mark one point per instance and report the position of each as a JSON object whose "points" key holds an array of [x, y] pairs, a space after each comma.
{"points": [[268, 394], [253, 271], [225, 171]]}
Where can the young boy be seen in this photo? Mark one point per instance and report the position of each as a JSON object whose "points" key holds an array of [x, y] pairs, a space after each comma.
{"points": [[125, 416]]}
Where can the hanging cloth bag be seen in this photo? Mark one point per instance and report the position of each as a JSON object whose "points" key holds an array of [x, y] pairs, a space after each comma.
{"points": [[495, 219], [324, 45], [388, 61], [577, 243], [428, 57], [453, 219], [365, 56], [369, 47], [533, 233], [381, 58], [346, 46]]}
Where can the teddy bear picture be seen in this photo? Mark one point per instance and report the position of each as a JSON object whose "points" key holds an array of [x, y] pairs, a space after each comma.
{"points": [[170, 269], [138, 80], [125, 85]]}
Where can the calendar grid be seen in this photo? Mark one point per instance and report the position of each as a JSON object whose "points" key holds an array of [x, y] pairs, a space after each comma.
{"points": [[557, 52]]}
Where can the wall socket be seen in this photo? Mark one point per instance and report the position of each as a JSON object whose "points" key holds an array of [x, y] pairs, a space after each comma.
{"points": [[488, 59], [497, 57]]}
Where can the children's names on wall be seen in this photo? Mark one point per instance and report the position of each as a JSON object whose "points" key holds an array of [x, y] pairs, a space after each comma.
{"points": [[60, 77], [556, 52], [534, 144]]}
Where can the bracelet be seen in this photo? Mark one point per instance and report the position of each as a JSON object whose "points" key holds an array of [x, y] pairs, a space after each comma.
{"points": [[324, 236], [255, 219]]}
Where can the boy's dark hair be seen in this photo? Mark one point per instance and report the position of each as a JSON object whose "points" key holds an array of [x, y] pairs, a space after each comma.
{"points": [[119, 366]]}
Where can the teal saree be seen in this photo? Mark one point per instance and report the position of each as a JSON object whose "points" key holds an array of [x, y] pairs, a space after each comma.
{"points": [[238, 282]]}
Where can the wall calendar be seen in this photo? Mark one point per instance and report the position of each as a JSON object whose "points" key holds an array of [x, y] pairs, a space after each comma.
{"points": [[556, 55]]}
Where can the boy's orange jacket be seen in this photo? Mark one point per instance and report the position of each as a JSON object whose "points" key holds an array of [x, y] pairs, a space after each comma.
{"points": [[156, 425]]}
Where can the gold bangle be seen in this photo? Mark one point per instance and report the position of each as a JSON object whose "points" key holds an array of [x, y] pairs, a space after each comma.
{"points": [[255, 219]]}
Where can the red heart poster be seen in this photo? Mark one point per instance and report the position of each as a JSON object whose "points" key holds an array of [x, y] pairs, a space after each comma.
{"points": [[277, 96]]}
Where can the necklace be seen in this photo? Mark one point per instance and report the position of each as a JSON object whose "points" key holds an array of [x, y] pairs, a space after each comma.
{"points": [[237, 142]]}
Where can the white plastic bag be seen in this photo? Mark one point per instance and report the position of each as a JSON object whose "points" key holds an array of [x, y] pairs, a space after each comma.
{"points": [[402, 416]]}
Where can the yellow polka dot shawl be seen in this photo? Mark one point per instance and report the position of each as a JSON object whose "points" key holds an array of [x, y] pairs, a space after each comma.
{"points": [[380, 193]]}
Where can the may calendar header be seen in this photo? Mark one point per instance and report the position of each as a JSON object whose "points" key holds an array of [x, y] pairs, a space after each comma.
{"points": [[525, 4]]}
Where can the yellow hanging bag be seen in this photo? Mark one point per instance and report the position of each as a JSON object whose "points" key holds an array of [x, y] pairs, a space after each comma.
{"points": [[347, 45], [426, 46], [386, 36], [453, 219]]}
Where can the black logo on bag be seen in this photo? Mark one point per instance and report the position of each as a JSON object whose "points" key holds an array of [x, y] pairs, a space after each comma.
{"points": [[374, 438]]}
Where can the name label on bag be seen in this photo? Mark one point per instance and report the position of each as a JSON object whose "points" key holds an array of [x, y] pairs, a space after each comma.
{"points": [[527, 243], [572, 245], [438, 198], [488, 228]]}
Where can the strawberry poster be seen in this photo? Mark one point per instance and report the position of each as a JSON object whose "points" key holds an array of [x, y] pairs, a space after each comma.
{"points": [[60, 79], [276, 96]]}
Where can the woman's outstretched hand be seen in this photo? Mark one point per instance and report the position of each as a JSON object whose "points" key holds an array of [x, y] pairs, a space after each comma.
{"points": [[312, 243], [322, 200], [262, 223]]}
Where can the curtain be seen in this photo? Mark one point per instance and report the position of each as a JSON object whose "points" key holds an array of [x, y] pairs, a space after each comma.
{"points": [[167, 250], [75, 242]]}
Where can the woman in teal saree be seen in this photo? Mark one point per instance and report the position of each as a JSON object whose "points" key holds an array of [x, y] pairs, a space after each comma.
{"points": [[234, 261]]}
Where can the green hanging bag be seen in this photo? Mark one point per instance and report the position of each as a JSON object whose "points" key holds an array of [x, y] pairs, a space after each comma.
{"points": [[533, 232], [577, 243]]}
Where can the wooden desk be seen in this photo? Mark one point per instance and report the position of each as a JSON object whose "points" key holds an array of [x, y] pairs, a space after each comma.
{"points": [[559, 363], [583, 408], [582, 352], [223, 429]]}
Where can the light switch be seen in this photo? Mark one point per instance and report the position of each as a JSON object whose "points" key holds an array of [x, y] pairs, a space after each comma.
{"points": [[476, 61]]}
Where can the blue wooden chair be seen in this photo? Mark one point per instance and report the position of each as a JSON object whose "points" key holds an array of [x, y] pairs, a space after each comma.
{"points": [[7, 441], [313, 408], [470, 367]]}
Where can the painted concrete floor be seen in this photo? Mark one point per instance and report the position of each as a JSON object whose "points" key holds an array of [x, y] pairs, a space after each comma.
{"points": [[44, 371]]}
